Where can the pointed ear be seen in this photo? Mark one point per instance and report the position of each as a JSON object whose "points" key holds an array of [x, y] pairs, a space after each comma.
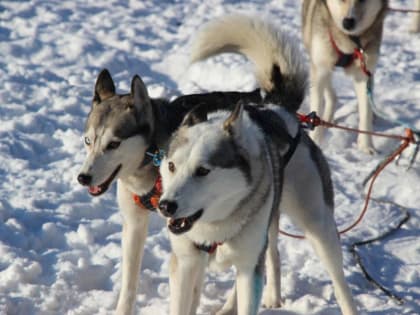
{"points": [[139, 91], [195, 116], [104, 87], [141, 99], [233, 123]]}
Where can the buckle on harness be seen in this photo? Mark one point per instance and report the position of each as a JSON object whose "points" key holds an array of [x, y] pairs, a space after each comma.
{"points": [[157, 157], [310, 121]]}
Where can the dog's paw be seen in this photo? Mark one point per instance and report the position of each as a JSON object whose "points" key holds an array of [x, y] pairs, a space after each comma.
{"points": [[368, 149], [365, 145], [414, 30], [224, 311], [270, 300]]}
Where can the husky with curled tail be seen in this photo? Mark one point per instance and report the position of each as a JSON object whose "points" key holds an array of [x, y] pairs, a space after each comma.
{"points": [[228, 174], [124, 137]]}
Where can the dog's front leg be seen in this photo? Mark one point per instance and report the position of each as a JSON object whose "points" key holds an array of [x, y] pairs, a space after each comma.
{"points": [[186, 274], [135, 223], [272, 290], [364, 141], [249, 286], [230, 306], [319, 77]]}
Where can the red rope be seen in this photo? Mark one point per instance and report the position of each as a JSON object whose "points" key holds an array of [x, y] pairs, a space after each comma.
{"points": [[403, 10], [315, 121], [407, 139]]}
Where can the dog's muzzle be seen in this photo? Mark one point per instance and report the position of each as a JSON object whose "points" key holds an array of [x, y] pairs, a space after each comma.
{"points": [[86, 180], [179, 225]]}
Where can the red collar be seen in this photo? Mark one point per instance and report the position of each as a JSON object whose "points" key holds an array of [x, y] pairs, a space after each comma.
{"points": [[150, 201], [210, 249], [346, 60]]}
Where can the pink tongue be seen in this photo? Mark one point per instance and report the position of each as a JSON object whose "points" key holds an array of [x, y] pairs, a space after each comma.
{"points": [[94, 189]]}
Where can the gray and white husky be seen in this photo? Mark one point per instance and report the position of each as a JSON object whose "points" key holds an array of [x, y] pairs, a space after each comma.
{"points": [[337, 33], [125, 136], [228, 174]]}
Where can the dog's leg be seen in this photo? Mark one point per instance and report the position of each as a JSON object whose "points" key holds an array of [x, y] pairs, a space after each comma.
{"points": [[415, 27], [186, 273], [135, 222], [249, 286], [272, 290], [330, 98], [322, 234], [317, 90], [364, 141], [230, 307], [197, 288]]}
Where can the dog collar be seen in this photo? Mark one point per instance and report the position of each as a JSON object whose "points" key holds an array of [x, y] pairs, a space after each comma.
{"points": [[150, 201], [153, 154], [346, 60], [210, 249]]}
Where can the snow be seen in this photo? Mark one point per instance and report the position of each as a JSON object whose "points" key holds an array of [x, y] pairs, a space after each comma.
{"points": [[60, 248]]}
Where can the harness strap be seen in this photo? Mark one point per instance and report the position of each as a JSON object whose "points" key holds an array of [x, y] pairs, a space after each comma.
{"points": [[293, 145], [346, 60], [150, 201]]}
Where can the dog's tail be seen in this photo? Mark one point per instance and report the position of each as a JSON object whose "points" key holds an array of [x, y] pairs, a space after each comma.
{"points": [[280, 69]]}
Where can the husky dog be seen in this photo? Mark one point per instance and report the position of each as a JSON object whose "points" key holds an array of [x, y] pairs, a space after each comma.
{"points": [[415, 27], [342, 33], [223, 180], [126, 134]]}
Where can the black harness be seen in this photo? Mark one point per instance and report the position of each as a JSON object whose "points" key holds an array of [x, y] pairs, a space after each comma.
{"points": [[271, 125]]}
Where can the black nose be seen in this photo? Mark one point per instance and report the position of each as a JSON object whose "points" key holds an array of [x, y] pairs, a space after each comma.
{"points": [[168, 208], [349, 23], [84, 179]]}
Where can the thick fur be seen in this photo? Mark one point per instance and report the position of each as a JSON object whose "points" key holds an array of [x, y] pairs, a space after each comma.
{"points": [[121, 128], [275, 54], [237, 205], [222, 192], [319, 19]]}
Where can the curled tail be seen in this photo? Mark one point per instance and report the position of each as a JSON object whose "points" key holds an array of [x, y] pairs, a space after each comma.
{"points": [[279, 64]]}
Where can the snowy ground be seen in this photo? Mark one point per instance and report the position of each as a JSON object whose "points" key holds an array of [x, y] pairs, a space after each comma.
{"points": [[60, 248]]}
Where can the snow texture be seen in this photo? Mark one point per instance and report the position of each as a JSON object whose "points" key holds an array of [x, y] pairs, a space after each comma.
{"points": [[60, 248]]}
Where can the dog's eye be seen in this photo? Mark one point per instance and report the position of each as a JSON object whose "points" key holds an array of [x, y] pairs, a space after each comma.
{"points": [[87, 141], [171, 167], [113, 145], [201, 171]]}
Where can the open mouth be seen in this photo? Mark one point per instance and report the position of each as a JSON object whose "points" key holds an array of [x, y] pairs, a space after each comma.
{"points": [[182, 225], [100, 189]]}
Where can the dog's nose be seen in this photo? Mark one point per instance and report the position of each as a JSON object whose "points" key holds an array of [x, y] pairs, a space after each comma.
{"points": [[167, 207], [84, 179], [349, 23]]}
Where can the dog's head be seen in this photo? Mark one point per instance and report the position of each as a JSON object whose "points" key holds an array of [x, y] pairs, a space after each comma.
{"points": [[207, 170], [118, 131], [353, 17]]}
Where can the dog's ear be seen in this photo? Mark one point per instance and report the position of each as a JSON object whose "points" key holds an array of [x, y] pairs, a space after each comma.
{"points": [[233, 123], [195, 116], [141, 99], [104, 87]]}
